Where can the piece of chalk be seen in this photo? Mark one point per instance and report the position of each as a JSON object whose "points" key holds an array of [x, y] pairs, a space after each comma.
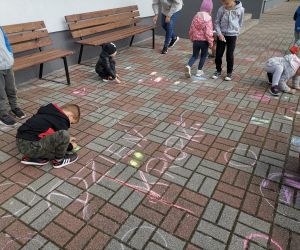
{"points": [[138, 155], [74, 150]]}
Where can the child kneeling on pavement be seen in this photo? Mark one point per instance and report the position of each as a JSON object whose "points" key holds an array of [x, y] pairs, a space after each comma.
{"points": [[106, 65], [45, 136], [280, 70]]}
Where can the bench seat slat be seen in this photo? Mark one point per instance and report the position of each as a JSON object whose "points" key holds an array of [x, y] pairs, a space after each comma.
{"points": [[116, 35], [40, 57]]}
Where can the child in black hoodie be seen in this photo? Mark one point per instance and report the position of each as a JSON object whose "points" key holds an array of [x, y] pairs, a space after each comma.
{"points": [[106, 65], [45, 136]]}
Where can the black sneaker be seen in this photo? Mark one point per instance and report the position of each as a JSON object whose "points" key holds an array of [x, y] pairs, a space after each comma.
{"points": [[67, 160], [174, 41], [34, 162], [18, 113], [274, 90], [164, 50], [216, 75], [7, 120], [270, 77]]}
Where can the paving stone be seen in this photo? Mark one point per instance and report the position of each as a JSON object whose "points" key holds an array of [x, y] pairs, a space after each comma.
{"points": [[35, 212], [163, 237], [254, 222], [208, 187], [35, 243], [212, 211], [207, 242], [46, 218], [213, 231]]}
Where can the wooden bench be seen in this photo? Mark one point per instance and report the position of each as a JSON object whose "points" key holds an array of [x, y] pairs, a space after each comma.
{"points": [[28, 41], [104, 26]]}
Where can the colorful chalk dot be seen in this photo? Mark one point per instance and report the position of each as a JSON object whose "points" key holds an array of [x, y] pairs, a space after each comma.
{"points": [[134, 163], [138, 155]]}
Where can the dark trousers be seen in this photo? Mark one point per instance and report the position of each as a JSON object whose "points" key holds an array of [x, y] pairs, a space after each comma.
{"points": [[197, 46], [8, 90], [169, 28], [229, 45], [50, 147]]}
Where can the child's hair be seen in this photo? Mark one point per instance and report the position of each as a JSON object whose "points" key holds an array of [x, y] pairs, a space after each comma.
{"points": [[224, 1], [74, 109]]}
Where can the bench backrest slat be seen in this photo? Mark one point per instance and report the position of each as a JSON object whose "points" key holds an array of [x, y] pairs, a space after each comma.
{"points": [[102, 28], [91, 23], [101, 13], [27, 36], [102, 20], [21, 47]]}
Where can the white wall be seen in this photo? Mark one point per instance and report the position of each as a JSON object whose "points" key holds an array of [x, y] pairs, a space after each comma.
{"points": [[53, 11]]}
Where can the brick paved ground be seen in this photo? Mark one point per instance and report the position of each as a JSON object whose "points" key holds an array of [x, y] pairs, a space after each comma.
{"points": [[218, 171]]}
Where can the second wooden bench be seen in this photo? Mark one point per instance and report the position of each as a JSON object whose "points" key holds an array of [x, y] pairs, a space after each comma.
{"points": [[104, 26]]}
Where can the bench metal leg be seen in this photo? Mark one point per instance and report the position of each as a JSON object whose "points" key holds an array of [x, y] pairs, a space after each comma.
{"points": [[41, 70], [80, 54], [131, 41], [67, 70], [153, 39]]}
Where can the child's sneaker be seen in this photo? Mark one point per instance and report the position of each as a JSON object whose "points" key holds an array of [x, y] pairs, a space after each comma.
{"points": [[34, 162], [67, 160], [18, 113], [228, 77], [216, 75], [164, 50], [199, 72], [274, 90], [174, 41], [7, 120], [105, 79], [188, 73]]}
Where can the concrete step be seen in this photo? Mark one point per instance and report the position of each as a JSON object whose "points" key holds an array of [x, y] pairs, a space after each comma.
{"points": [[249, 24], [247, 16]]}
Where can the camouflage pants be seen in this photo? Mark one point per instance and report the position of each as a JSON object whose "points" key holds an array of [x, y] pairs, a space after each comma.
{"points": [[50, 147]]}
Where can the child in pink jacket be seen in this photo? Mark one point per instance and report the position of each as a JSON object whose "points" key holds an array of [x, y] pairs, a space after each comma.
{"points": [[201, 34]]}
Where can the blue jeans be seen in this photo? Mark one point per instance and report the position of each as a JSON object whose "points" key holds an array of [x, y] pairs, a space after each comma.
{"points": [[169, 28], [197, 46]]}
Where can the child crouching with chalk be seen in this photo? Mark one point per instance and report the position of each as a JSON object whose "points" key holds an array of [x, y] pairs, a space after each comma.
{"points": [[45, 137], [280, 70]]}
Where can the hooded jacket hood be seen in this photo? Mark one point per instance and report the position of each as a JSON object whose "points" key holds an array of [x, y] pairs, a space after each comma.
{"points": [[6, 54]]}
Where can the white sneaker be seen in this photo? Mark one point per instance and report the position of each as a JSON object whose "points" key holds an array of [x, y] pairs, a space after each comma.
{"points": [[228, 77], [199, 72], [188, 71]]}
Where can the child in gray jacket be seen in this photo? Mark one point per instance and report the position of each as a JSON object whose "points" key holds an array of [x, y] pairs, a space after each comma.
{"points": [[280, 70], [170, 10], [228, 23], [7, 83]]}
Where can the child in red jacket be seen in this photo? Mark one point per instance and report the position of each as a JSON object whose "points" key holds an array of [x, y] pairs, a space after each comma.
{"points": [[201, 34]]}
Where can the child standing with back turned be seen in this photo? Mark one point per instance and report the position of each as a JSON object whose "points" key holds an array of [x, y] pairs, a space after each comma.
{"points": [[297, 24], [201, 34], [228, 23]]}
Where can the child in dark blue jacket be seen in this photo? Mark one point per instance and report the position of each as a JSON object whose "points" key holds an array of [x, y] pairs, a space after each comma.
{"points": [[106, 65], [297, 24]]}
